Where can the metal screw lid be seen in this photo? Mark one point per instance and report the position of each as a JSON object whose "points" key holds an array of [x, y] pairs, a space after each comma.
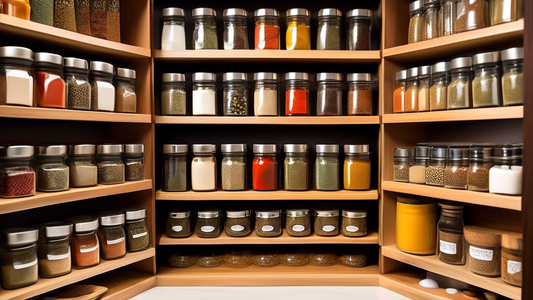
{"points": [[48, 58], [401, 76], [513, 53], [412, 73], [458, 154], [173, 77], [201, 76], [297, 12], [430, 1], [179, 214], [175, 148], [234, 214], [296, 76], [326, 212], [302, 212], [230, 12], [424, 71], [16, 151], [72, 62], [55, 230], [83, 149], [265, 76], [461, 62], [111, 219], [486, 58], [267, 214], [173, 12], [422, 152], [83, 223], [133, 148], [504, 152], [327, 148], [354, 213], [440, 67], [233, 148], [329, 12], [359, 13], [102, 67], [18, 237], [263, 12], [356, 149], [401, 152], [204, 148], [264, 148], [126, 73], [208, 214], [295, 148], [416, 5], [235, 76], [328, 77], [16, 52], [203, 11], [114, 149], [481, 153], [135, 214], [53, 150], [438, 153], [359, 77]]}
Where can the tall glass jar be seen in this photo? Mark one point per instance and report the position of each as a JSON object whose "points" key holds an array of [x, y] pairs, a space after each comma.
{"points": [[137, 235], [415, 22], [411, 92], [456, 171], [398, 105], [450, 237], [298, 36], [298, 222], [503, 11], [471, 14], [513, 76], [82, 170], [329, 29], [296, 167], [439, 86], [430, 20], [204, 168], [78, 86], [402, 163], [53, 249], [174, 168], [266, 94], [296, 94], [102, 88], [17, 177], [235, 29], [49, 164], [204, 35], [486, 85], [235, 94], [478, 172], [173, 95], [84, 244], [447, 17], [423, 88], [18, 257], [111, 235], [435, 170], [110, 166], [359, 94], [173, 35], [50, 89], [204, 94], [329, 94], [266, 29], [359, 29], [16, 76], [417, 171], [179, 224], [126, 95], [356, 167], [459, 91], [233, 167], [134, 161], [265, 168], [327, 168]]}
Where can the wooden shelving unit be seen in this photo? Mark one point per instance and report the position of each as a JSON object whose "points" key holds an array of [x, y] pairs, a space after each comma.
{"points": [[475, 114], [360, 120], [123, 284], [406, 283], [40, 113]]}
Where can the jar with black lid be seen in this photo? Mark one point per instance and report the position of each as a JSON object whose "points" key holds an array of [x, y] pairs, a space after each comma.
{"points": [[134, 162], [126, 95], [103, 93], [354, 223], [53, 249], [17, 177], [78, 86], [174, 167], [478, 172], [235, 94], [327, 222], [450, 235], [456, 171], [359, 29], [298, 222], [435, 170], [209, 224], [235, 29], [179, 224], [49, 164], [18, 257], [110, 166], [238, 223], [137, 235], [402, 163], [268, 223], [329, 94], [15, 66], [49, 85]]}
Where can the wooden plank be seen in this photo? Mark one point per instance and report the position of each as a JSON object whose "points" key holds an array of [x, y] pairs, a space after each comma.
{"points": [[406, 283], [475, 114], [341, 120], [124, 284], [40, 113]]}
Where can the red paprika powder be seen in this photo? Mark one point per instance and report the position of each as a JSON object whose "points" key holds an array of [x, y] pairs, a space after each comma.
{"points": [[296, 102], [266, 36], [265, 168], [49, 88]]}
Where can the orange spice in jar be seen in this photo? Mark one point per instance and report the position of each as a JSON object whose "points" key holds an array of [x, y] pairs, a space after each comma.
{"points": [[297, 94], [398, 104], [266, 29], [85, 248], [112, 236]]}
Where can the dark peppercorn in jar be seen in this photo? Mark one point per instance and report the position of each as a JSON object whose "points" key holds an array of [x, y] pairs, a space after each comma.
{"points": [[298, 222], [209, 224], [137, 234], [238, 223], [327, 222], [179, 224]]}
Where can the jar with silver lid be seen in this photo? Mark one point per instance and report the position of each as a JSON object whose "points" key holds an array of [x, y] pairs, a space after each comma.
{"points": [[53, 249], [513, 76], [52, 172], [179, 224], [266, 94], [329, 94], [423, 88], [205, 29], [354, 223], [266, 29], [296, 94], [447, 17], [456, 171], [84, 244], [298, 222], [134, 162], [504, 11], [411, 91], [174, 167], [430, 20], [209, 224], [102, 88], [265, 167], [233, 167], [415, 22], [238, 223], [204, 94], [435, 170], [18, 257], [505, 177], [296, 167], [126, 95], [486, 85], [173, 34], [78, 86], [137, 235], [478, 172], [16, 76], [359, 94], [111, 235], [298, 35], [17, 177], [439, 87], [173, 95], [359, 29], [327, 168], [459, 91], [402, 163], [417, 171], [235, 94], [398, 104], [50, 90], [268, 223], [204, 168], [329, 29], [471, 15], [235, 29], [327, 222], [357, 167], [110, 166]]}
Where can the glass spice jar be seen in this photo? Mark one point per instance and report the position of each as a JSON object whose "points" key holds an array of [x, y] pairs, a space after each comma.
{"points": [[486, 84], [83, 16], [179, 224], [298, 222], [173, 34], [126, 96], [447, 17], [238, 223], [84, 244], [359, 94], [450, 237], [294, 259], [354, 259], [359, 29], [265, 259], [398, 104], [15, 76], [78, 86], [329, 94], [181, 259], [478, 172], [53, 249], [411, 91], [173, 95], [266, 29], [238, 258], [326, 222], [235, 29], [49, 165], [235, 94], [82, 170], [323, 258], [17, 177], [137, 235], [402, 164], [505, 177], [205, 29], [513, 76], [439, 85], [174, 167], [327, 168], [329, 29], [512, 248], [102, 88], [296, 167], [50, 89], [266, 94], [456, 171], [503, 11], [415, 22], [356, 167], [423, 88], [298, 36], [65, 15], [233, 167], [484, 250], [208, 224], [430, 20], [459, 92], [113, 20], [110, 166], [204, 168], [296, 94], [471, 14], [210, 258], [18, 257], [268, 223], [111, 235], [435, 170], [265, 168], [354, 223], [134, 162], [416, 230], [417, 171], [204, 94]]}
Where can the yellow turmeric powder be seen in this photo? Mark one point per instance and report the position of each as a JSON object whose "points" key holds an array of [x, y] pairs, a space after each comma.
{"points": [[298, 36], [356, 174]]}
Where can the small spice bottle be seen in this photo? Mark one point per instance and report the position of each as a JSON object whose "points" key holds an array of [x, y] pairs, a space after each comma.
{"points": [[265, 259], [354, 223], [174, 167], [235, 29], [210, 258], [238, 258], [102, 88], [415, 22], [233, 168], [296, 94], [329, 29], [181, 259], [327, 168], [435, 170], [268, 223], [137, 235], [134, 161], [416, 225], [41, 11], [326, 222], [486, 83], [110, 166], [17, 177], [447, 17], [357, 167], [266, 29], [430, 20], [456, 171], [265, 168], [359, 29], [204, 168], [173, 95], [49, 87], [173, 34], [296, 167], [18, 257], [266, 94], [484, 250], [238, 223], [111, 235], [398, 104], [126, 96], [298, 35], [53, 249], [502, 11], [179, 224], [64, 15], [513, 76], [423, 88], [450, 235], [329, 94], [205, 29], [235, 94], [359, 94], [294, 258], [208, 224], [49, 164], [478, 172], [402, 164], [83, 17], [411, 91], [354, 259], [417, 171], [82, 170], [439, 85], [298, 222], [512, 248], [78, 86], [471, 15], [16, 76], [204, 94], [505, 177], [459, 92], [84, 244]]}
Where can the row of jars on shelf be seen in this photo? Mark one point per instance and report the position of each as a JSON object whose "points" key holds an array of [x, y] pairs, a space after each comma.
{"points": [[52, 249], [453, 85], [267, 31], [49, 80], [236, 98], [431, 19], [265, 167], [268, 223], [21, 171], [487, 252]]}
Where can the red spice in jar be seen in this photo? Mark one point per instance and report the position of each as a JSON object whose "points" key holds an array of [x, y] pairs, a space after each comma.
{"points": [[85, 250], [296, 102], [50, 90], [17, 183], [266, 36], [399, 100], [265, 174]]}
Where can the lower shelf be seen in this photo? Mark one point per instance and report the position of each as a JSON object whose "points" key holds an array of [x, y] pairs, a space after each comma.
{"points": [[308, 275], [124, 284], [406, 283]]}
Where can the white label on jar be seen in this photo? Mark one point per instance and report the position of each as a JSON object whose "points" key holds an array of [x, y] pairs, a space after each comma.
{"points": [[298, 228], [328, 228], [87, 250], [267, 228], [112, 242], [514, 267], [207, 228], [448, 248], [177, 228], [481, 254], [138, 235], [59, 257], [352, 228], [19, 266], [237, 228]]}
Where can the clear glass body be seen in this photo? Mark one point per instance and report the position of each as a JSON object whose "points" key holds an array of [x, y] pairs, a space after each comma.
{"points": [[450, 237], [268, 227], [423, 93], [266, 98], [357, 171], [326, 226], [266, 33], [398, 104], [411, 95], [112, 241], [430, 21], [327, 172], [359, 34], [417, 172], [512, 266], [52, 174], [297, 98], [329, 33], [16, 81], [478, 175], [233, 170], [447, 17], [237, 227], [82, 171], [435, 172], [486, 86], [179, 227], [78, 90], [296, 167], [415, 27], [173, 35], [103, 95], [353, 227], [456, 174], [329, 98], [18, 267], [126, 96], [265, 172], [137, 235], [54, 257], [401, 169], [208, 227], [513, 83], [173, 99], [298, 36], [204, 172], [205, 33], [235, 98], [298, 226], [17, 178], [359, 99], [438, 92], [471, 14], [204, 99], [85, 249], [111, 169], [174, 172], [235, 33], [17, 8], [459, 90], [134, 166], [503, 11], [50, 88]]}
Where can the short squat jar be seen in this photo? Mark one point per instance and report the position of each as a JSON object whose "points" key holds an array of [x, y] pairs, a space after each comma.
{"points": [[137, 235], [84, 244], [18, 256], [233, 167], [173, 95], [204, 35], [356, 167], [296, 167], [483, 250], [179, 224], [110, 166], [329, 29], [478, 172], [329, 94], [204, 94], [83, 171], [456, 171], [486, 85], [235, 94], [266, 29], [50, 88], [78, 86], [126, 94], [15, 66], [173, 34], [268, 223], [53, 249], [354, 223], [326, 222], [112, 236], [437, 164], [208, 224], [296, 94], [134, 162], [17, 177], [238, 223], [266, 94], [359, 29], [298, 222], [327, 168], [402, 163], [459, 88], [235, 29], [298, 36], [52, 173], [204, 168], [174, 167], [513, 76], [102, 89], [359, 94]]}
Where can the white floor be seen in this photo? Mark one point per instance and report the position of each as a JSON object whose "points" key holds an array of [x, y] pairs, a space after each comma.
{"points": [[269, 293]]}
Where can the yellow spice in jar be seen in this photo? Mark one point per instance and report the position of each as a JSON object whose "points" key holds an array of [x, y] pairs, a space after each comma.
{"points": [[298, 37], [356, 174]]}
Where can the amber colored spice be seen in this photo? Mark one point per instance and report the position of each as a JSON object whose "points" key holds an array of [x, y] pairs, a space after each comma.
{"points": [[113, 20], [399, 100], [269, 34], [83, 16], [98, 18], [85, 250], [359, 102]]}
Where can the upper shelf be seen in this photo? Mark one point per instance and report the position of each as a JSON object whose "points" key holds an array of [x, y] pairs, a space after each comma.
{"points": [[340, 120], [461, 43], [292, 56], [8, 111], [69, 39], [474, 114]]}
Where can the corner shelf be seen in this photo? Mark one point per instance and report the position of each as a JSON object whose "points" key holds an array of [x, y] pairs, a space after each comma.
{"points": [[123, 284], [473, 114], [252, 120], [406, 283]]}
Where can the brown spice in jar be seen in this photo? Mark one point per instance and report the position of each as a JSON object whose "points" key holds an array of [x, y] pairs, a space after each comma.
{"points": [[354, 226], [472, 16], [64, 15], [113, 20], [401, 173], [98, 18], [451, 238], [512, 266], [178, 227], [478, 179], [437, 97], [323, 259], [298, 226], [237, 227], [85, 250], [268, 227], [238, 259], [294, 259], [181, 260], [265, 260], [208, 228], [126, 100], [83, 16], [112, 242], [455, 177], [435, 175], [485, 267], [354, 260], [327, 226], [210, 259], [359, 102]]}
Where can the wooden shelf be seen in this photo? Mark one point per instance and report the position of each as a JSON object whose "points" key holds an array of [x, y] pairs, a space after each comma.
{"points": [[341, 120], [123, 284], [69, 39], [268, 195], [433, 264], [309, 275], [73, 194], [253, 239], [461, 43], [47, 284], [474, 114], [325, 56], [464, 196], [40, 113]]}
